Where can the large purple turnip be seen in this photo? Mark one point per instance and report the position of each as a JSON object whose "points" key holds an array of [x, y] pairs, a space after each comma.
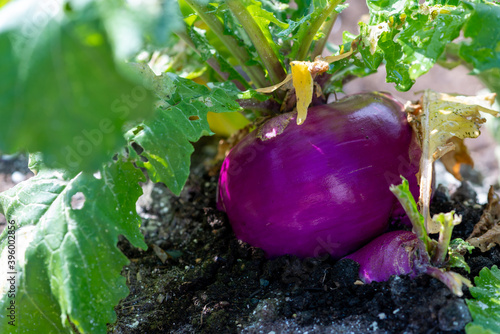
{"points": [[323, 186]]}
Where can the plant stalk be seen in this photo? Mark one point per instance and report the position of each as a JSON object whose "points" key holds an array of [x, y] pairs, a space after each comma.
{"points": [[326, 29], [446, 222], [317, 20], [212, 62], [264, 49], [255, 73], [403, 194]]}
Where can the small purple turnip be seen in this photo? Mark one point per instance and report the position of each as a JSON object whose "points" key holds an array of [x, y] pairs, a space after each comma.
{"points": [[402, 253], [392, 253]]}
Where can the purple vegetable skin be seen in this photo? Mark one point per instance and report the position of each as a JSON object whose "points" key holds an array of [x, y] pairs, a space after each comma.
{"points": [[323, 186], [393, 253], [401, 253]]}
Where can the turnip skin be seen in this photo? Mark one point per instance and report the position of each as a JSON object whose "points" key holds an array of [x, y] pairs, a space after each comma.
{"points": [[323, 186], [393, 253]]}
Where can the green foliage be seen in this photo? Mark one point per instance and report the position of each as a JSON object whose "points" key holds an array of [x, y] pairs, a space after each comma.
{"points": [[456, 251], [311, 20], [182, 119], [70, 91], [485, 307], [407, 36], [64, 94], [68, 265], [405, 197], [65, 89], [482, 49], [207, 51], [410, 38]]}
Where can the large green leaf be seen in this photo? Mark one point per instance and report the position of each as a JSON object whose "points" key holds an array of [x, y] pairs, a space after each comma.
{"points": [[68, 266], [382, 10], [130, 23], [485, 307], [65, 90], [166, 139], [482, 49], [410, 37]]}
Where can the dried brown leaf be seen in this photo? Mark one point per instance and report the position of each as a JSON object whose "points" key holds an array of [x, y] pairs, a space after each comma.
{"points": [[486, 233], [455, 158], [162, 255]]}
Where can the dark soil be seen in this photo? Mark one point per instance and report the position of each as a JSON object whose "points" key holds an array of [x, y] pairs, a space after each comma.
{"points": [[210, 282]]}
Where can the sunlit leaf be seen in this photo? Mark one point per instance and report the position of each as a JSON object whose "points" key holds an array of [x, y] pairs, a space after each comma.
{"points": [[67, 263]]}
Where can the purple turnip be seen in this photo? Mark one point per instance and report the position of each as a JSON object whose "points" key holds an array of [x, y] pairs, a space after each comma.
{"points": [[401, 253], [393, 253], [323, 186]]}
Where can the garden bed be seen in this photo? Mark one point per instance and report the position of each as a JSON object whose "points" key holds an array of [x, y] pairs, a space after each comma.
{"points": [[196, 277]]}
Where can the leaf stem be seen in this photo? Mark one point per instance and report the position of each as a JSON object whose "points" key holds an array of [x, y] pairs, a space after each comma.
{"points": [[326, 29], [452, 280], [309, 31], [446, 222], [405, 197], [212, 62], [264, 49], [255, 73], [426, 173]]}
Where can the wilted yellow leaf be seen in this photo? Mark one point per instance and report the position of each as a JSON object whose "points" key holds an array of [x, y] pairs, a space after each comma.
{"points": [[442, 118], [303, 84]]}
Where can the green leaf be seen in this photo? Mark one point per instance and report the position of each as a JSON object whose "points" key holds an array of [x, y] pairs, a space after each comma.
{"points": [[68, 266], [381, 10], [266, 21], [166, 139], [409, 37], [482, 50], [130, 24], [405, 197], [315, 17], [289, 33], [485, 307], [62, 93], [420, 42], [476, 329], [207, 51], [262, 16], [458, 248], [352, 66]]}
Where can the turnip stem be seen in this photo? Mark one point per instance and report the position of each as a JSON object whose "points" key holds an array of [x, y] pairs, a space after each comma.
{"points": [[212, 62], [452, 280], [446, 222], [310, 30], [255, 73], [326, 28], [264, 49], [403, 194], [426, 168]]}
